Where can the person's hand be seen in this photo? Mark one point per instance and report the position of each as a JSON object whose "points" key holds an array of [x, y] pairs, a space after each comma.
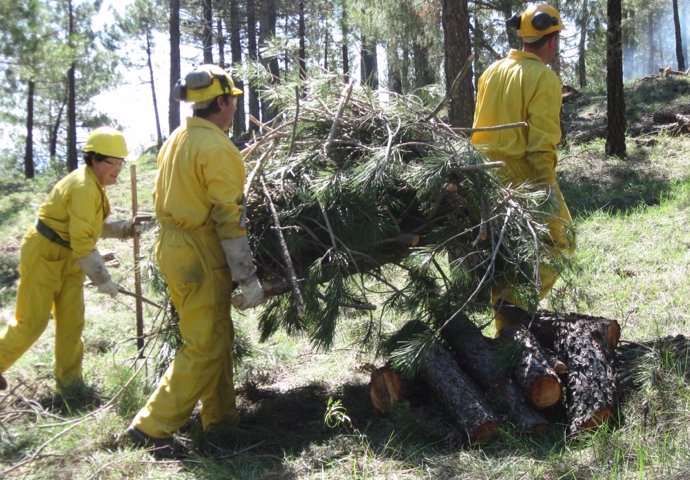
{"points": [[109, 288], [141, 222], [252, 295]]}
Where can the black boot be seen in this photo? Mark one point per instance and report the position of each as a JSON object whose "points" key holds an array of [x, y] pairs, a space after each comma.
{"points": [[3, 382]]}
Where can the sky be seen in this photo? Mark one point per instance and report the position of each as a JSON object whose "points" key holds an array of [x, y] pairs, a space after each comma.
{"points": [[131, 104]]}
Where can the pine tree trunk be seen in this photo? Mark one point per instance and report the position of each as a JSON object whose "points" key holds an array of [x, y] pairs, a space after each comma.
{"points": [[29, 146], [233, 27], [458, 49], [207, 35], [173, 106], [615, 102], [252, 53], [679, 37], [72, 160]]}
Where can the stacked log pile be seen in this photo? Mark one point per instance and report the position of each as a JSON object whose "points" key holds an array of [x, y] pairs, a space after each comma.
{"points": [[543, 364]]}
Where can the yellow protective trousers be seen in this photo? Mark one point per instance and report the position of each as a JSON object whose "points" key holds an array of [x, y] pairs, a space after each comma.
{"points": [[199, 282], [49, 280], [560, 241]]}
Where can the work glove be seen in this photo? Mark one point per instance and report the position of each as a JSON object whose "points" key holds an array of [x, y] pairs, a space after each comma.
{"points": [[94, 268], [238, 254], [125, 229]]}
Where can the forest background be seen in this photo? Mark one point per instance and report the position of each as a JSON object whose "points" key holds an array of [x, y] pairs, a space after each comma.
{"points": [[69, 66], [306, 413]]}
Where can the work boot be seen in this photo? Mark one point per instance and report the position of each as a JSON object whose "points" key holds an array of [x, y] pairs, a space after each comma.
{"points": [[3, 382], [159, 447]]}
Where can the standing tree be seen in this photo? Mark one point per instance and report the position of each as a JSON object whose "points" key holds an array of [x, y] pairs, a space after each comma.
{"points": [[141, 20], [458, 49], [72, 160], [615, 101], [173, 106], [679, 37], [207, 36]]}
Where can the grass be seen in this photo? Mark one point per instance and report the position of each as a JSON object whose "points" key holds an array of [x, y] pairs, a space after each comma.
{"points": [[307, 415]]}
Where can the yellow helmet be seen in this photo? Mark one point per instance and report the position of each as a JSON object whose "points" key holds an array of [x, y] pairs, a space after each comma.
{"points": [[203, 84], [535, 22], [106, 141]]}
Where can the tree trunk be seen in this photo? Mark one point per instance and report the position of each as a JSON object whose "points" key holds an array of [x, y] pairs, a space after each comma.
{"points": [[173, 106], [239, 123], [679, 37], [29, 146], [476, 355], [302, 45], [159, 135], [458, 49], [221, 41], [424, 74], [508, 8], [345, 33], [369, 63], [458, 394], [55, 128], [267, 30], [72, 160], [615, 101], [207, 35], [252, 53], [394, 77], [651, 42], [582, 48]]}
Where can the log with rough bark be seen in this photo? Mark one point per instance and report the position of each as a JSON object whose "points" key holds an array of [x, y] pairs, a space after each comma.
{"points": [[532, 368], [458, 394], [476, 356], [585, 344]]}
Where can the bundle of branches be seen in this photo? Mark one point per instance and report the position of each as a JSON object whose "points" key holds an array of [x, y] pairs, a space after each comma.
{"points": [[356, 195]]}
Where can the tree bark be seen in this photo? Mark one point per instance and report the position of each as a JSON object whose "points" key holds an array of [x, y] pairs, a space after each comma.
{"points": [[152, 82], [29, 146], [476, 355], [582, 48], [615, 102], [207, 35], [345, 34], [173, 106], [252, 54], [369, 63], [267, 30], [458, 49], [532, 368], [457, 393], [72, 160], [233, 27], [679, 37]]}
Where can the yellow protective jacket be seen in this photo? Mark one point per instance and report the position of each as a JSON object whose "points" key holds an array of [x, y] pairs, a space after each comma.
{"points": [[76, 209], [519, 88], [201, 185]]}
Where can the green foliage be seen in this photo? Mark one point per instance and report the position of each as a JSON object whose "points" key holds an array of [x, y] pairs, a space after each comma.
{"points": [[358, 185]]}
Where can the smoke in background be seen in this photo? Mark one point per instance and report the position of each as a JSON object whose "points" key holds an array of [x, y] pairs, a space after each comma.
{"points": [[653, 45]]}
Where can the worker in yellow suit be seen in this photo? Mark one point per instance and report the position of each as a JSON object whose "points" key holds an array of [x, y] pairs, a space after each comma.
{"points": [[522, 88], [58, 250], [202, 247]]}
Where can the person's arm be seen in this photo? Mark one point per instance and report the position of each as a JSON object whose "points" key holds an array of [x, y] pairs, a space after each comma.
{"points": [[225, 184], [543, 119]]}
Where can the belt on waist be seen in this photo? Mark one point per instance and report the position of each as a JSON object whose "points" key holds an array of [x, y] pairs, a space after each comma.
{"points": [[50, 234]]}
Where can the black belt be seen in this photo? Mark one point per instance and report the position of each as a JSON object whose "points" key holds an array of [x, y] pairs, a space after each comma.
{"points": [[50, 234]]}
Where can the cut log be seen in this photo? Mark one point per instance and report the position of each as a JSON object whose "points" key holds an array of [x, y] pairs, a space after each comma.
{"points": [[458, 394], [476, 356], [586, 345], [386, 389], [547, 326], [531, 368]]}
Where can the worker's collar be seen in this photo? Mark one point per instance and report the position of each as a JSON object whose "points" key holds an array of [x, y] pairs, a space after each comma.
{"points": [[521, 54], [202, 122]]}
